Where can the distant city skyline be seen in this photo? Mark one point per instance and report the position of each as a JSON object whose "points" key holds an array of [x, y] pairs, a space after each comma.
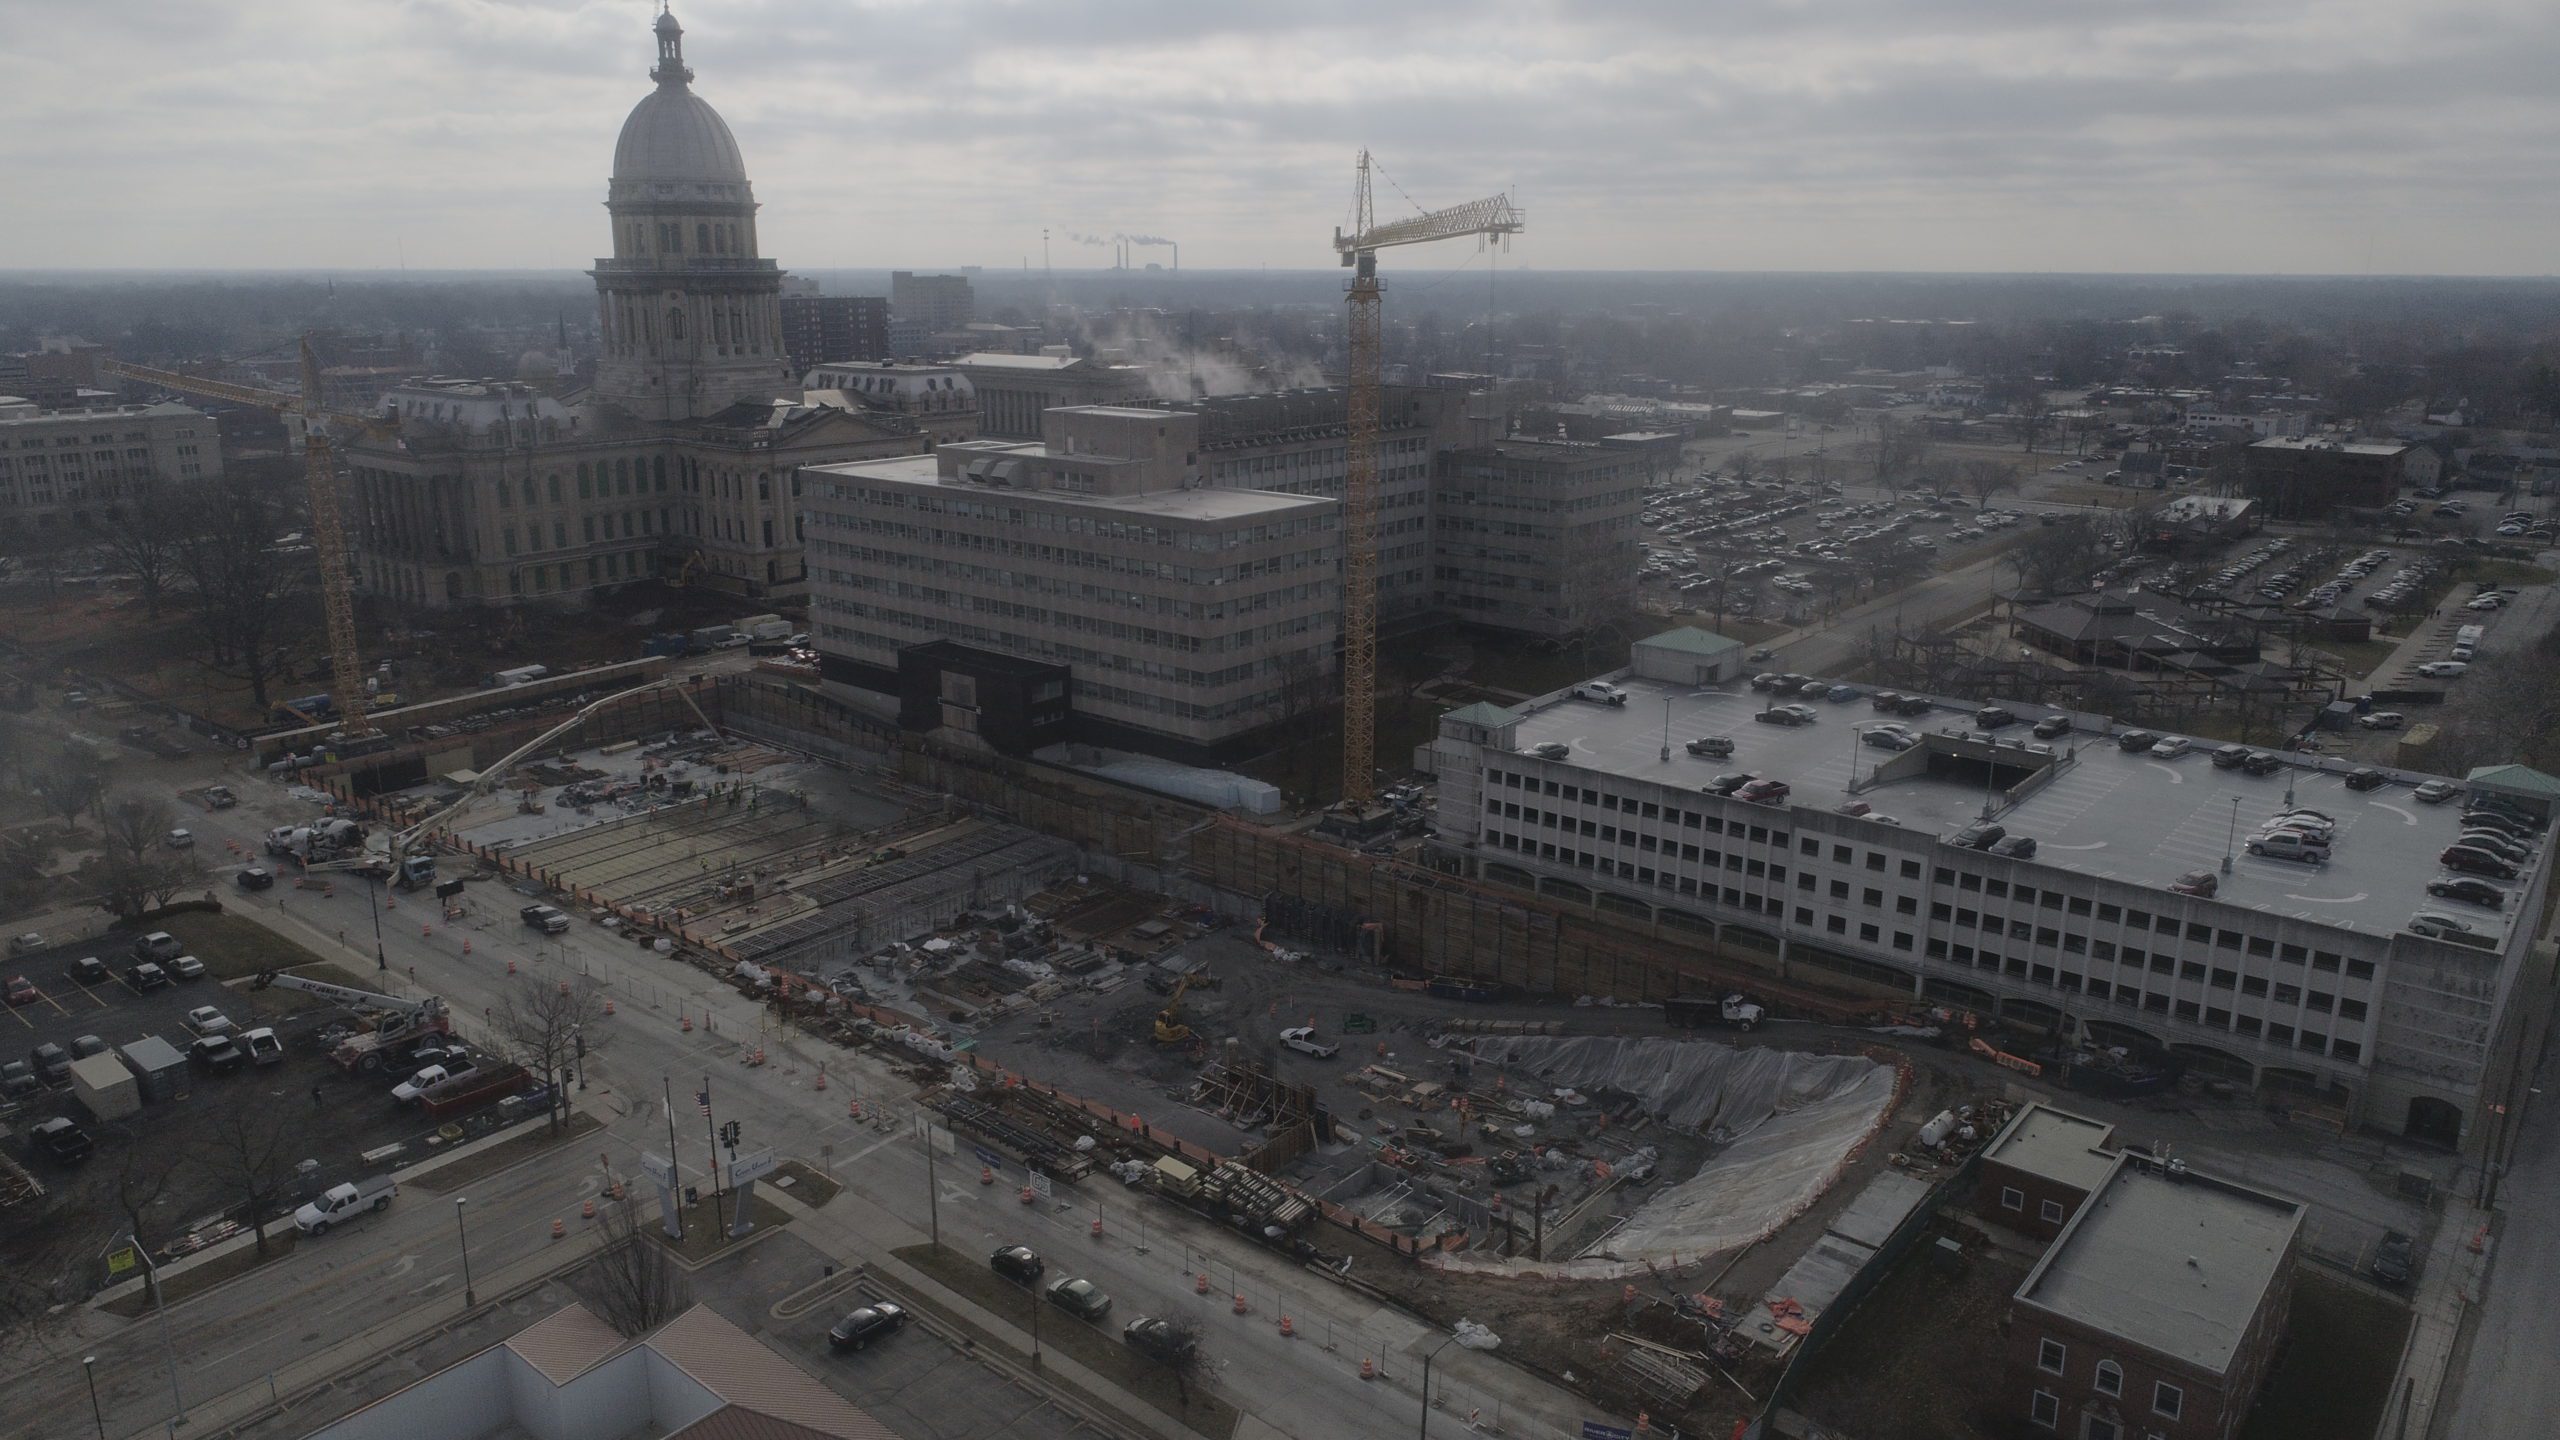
{"points": [[1982, 136]]}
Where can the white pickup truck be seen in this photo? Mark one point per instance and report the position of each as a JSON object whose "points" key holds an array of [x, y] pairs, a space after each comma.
{"points": [[1601, 691], [345, 1202]]}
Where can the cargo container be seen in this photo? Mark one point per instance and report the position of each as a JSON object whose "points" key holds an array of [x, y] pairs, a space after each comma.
{"points": [[159, 1066], [104, 1087]]}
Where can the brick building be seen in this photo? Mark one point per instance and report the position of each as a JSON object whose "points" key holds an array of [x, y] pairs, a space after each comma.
{"points": [[2040, 1167], [2305, 478], [2156, 1312]]}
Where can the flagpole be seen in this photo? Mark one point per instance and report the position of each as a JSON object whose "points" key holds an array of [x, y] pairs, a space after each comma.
{"points": [[675, 1174], [712, 1129]]}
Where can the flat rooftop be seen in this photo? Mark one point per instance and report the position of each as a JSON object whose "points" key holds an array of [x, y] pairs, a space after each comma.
{"points": [[2177, 1264], [925, 472], [2123, 815], [2055, 1144]]}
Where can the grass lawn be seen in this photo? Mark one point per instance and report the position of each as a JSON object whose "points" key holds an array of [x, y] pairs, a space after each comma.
{"points": [[2507, 572], [1096, 1347], [280, 1238], [234, 947], [2334, 1374], [2360, 658], [809, 1185], [537, 1137], [704, 1239]]}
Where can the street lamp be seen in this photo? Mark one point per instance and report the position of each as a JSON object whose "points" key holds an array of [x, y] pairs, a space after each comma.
{"points": [[373, 892], [89, 1370], [1666, 729], [468, 1298], [2231, 837], [1422, 1427]]}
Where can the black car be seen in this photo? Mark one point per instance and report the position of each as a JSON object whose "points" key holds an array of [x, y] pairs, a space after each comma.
{"points": [[1992, 717], [146, 977], [1017, 1262], [2499, 820], [871, 1322], [1714, 747], [1727, 784], [2230, 757], [2053, 725], [88, 970], [2365, 777], [218, 1053], [2394, 1258], [2016, 847], [2470, 892], [52, 1062], [85, 1046], [1774, 716], [18, 1078], [1979, 837], [2262, 762], [256, 877], [2472, 860], [1081, 1298], [2136, 740], [1155, 1338], [66, 1142]]}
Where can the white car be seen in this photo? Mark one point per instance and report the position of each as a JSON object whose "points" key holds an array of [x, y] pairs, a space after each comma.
{"points": [[206, 1020], [2383, 720], [1302, 1038], [2443, 669], [2172, 748], [2436, 926], [181, 839], [2488, 602]]}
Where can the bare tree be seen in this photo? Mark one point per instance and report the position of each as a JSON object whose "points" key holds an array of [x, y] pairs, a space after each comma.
{"points": [[1901, 449], [2058, 557], [250, 1144], [247, 596], [142, 536], [72, 783], [136, 1187], [1181, 1355], [545, 1026], [133, 826], [631, 1281], [1986, 478]]}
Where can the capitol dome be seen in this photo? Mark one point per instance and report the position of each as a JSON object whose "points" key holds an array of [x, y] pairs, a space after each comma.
{"points": [[674, 134]]}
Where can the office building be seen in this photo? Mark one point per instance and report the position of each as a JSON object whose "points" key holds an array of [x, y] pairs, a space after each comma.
{"points": [[937, 398], [2140, 919], [1014, 391], [819, 328], [1174, 617], [1537, 536], [682, 464], [934, 304], [63, 470], [2156, 1311], [2306, 478]]}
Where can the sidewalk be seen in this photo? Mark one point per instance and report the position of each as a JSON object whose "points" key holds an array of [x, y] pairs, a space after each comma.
{"points": [[2454, 1273]]}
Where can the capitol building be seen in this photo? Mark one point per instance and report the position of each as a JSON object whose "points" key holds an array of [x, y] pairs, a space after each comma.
{"points": [[682, 463]]}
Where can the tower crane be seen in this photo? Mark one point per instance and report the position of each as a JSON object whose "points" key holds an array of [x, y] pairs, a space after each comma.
{"points": [[1494, 217], [328, 524]]}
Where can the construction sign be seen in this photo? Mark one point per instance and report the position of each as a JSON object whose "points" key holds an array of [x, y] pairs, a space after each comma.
{"points": [[122, 1259]]}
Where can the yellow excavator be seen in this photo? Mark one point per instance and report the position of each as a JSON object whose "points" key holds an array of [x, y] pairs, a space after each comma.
{"points": [[1169, 1027]]}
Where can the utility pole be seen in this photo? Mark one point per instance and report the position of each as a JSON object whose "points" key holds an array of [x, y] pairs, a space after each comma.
{"points": [[673, 1176]]}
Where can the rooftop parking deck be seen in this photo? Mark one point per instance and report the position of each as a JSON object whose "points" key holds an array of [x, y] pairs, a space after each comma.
{"points": [[2102, 811]]}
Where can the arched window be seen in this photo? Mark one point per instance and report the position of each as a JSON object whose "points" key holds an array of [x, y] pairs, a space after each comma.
{"points": [[721, 235], [702, 238], [2110, 1378], [675, 322]]}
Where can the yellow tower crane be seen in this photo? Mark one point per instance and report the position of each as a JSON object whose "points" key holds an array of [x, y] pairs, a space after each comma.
{"points": [[328, 523], [1494, 217]]}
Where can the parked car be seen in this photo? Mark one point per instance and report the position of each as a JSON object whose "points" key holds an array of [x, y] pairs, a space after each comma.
{"points": [[26, 943], [2470, 891], [1764, 792], [1017, 1262], [2443, 669], [52, 1062], [22, 991], [2436, 792], [417, 1084], [2365, 777], [181, 839], [2016, 847], [2051, 726], [1080, 1297], [1778, 715], [1601, 691], [549, 919], [1728, 783], [1551, 750], [218, 1053], [2261, 762], [1888, 737], [2171, 747], [872, 1322], [62, 1140], [1993, 717], [84, 1046], [2136, 741], [2394, 1258], [186, 967], [2285, 845], [1713, 747], [2505, 847], [2230, 757], [158, 945], [2472, 860], [256, 877], [2436, 926], [1979, 837], [206, 1020], [1156, 1338], [2199, 883], [2382, 720]]}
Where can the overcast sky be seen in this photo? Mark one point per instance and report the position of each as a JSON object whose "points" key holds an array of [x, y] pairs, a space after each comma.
{"points": [[2295, 136]]}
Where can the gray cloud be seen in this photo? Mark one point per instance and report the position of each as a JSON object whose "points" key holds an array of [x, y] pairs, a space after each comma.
{"points": [[2291, 135]]}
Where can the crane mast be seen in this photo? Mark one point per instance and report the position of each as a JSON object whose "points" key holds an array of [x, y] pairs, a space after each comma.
{"points": [[1491, 218], [328, 523]]}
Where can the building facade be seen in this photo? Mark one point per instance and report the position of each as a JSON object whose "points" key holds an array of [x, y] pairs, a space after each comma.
{"points": [[820, 328], [1188, 617], [2338, 1004], [935, 304], [69, 470], [1014, 391], [937, 398], [2302, 478], [682, 465], [1537, 536], [2156, 1312], [2037, 1172]]}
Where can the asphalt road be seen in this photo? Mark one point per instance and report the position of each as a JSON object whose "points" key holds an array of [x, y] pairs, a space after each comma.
{"points": [[410, 1256], [2505, 1383]]}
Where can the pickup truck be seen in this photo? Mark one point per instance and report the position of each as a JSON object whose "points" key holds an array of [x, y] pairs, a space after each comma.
{"points": [[345, 1202]]}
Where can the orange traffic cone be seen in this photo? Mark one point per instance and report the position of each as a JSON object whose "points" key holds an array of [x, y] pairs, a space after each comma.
{"points": [[822, 1079], [1026, 1195], [986, 1175], [1200, 1283], [1240, 1306], [587, 1210], [1368, 1368], [1097, 1227], [559, 1228], [564, 987], [1288, 1328], [511, 967], [466, 947], [608, 1007], [687, 1021]]}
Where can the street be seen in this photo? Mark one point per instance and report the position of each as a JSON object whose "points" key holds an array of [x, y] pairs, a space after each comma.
{"points": [[2503, 1382], [1148, 1255]]}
